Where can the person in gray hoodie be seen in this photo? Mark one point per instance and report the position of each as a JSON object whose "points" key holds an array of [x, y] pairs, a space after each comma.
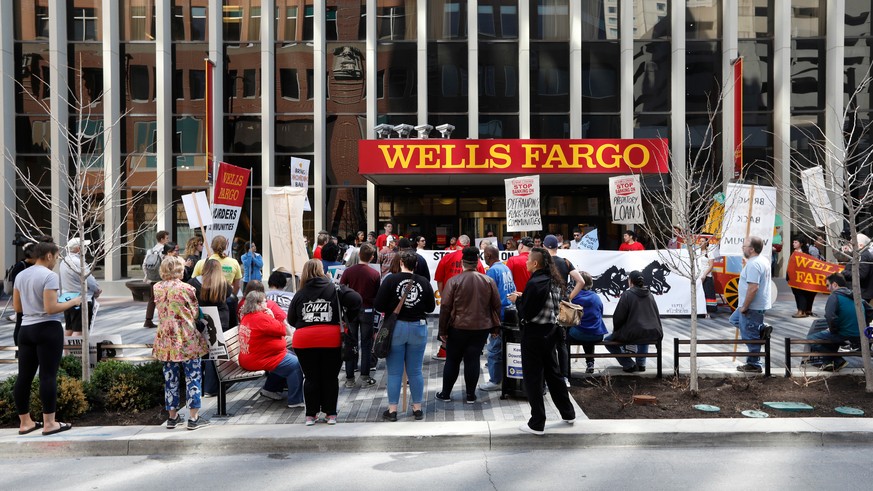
{"points": [[635, 321]]}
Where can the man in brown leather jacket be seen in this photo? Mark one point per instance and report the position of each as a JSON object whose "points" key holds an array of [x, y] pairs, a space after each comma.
{"points": [[469, 311]]}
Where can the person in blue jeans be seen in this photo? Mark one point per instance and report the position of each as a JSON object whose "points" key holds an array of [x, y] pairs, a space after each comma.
{"points": [[263, 347], [753, 291], [409, 339], [840, 323], [591, 328], [501, 275], [635, 321]]}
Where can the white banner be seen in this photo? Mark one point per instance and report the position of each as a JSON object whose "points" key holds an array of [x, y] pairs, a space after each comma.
{"points": [[610, 270], [286, 227], [749, 210], [817, 195], [300, 178], [523, 204], [626, 199]]}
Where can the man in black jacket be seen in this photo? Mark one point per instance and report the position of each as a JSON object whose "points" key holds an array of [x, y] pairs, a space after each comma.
{"points": [[538, 312]]}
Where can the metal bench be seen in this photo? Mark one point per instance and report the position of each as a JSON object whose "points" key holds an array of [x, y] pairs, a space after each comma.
{"points": [[229, 371], [656, 354], [765, 350], [807, 354]]}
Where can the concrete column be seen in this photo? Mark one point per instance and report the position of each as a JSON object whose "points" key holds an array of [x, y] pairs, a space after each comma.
{"points": [[372, 70], [164, 115], [7, 132], [730, 51], [473, 70], [216, 54], [834, 104], [111, 141], [524, 71], [677, 96], [319, 164], [60, 145], [268, 117], [626, 85], [420, 65], [575, 71], [782, 119]]}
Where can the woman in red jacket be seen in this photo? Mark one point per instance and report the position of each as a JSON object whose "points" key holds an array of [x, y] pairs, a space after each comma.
{"points": [[262, 347]]}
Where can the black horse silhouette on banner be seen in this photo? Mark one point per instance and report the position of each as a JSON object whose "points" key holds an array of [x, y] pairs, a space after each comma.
{"points": [[613, 281]]}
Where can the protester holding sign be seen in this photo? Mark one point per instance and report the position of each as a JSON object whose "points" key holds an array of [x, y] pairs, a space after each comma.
{"points": [[212, 290], [802, 298], [178, 344]]}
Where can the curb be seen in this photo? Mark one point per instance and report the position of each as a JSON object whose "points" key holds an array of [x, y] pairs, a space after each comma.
{"points": [[446, 436]]}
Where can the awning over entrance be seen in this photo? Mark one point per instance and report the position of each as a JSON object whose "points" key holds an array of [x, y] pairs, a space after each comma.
{"points": [[479, 162]]}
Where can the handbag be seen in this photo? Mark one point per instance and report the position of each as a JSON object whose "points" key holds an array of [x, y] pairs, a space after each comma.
{"points": [[349, 344], [569, 314], [382, 344]]}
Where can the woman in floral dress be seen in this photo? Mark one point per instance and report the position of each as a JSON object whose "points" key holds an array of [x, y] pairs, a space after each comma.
{"points": [[178, 344]]}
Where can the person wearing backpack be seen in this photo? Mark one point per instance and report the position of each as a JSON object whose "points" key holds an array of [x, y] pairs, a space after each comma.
{"points": [[151, 267]]}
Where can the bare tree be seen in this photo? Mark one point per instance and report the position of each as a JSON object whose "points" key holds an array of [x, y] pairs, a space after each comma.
{"points": [[683, 198], [90, 188], [843, 206]]}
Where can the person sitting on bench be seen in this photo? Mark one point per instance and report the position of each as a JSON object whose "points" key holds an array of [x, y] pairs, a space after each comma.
{"points": [[635, 321], [840, 324]]}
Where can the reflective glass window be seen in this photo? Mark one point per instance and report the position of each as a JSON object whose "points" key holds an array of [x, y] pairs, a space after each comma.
{"points": [[83, 23], [703, 19], [755, 19], [447, 76], [652, 76], [550, 20], [757, 88], [30, 20], [858, 18], [652, 19], [550, 77], [498, 19], [498, 77], [600, 19], [702, 75], [601, 77], [198, 24], [808, 18], [446, 19], [807, 74]]}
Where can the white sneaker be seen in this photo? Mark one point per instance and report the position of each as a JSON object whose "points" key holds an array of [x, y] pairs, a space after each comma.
{"points": [[524, 428], [276, 396], [299, 404], [567, 382], [489, 386], [569, 421]]}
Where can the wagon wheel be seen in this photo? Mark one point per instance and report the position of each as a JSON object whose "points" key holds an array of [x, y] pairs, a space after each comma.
{"points": [[731, 294]]}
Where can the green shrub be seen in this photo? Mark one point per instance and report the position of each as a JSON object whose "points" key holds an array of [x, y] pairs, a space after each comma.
{"points": [[119, 386], [71, 399], [7, 402], [71, 366]]}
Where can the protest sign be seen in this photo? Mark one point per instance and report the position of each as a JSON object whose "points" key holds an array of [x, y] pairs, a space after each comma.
{"points": [[590, 241], [749, 211], [286, 227], [808, 273], [214, 334], [300, 178], [197, 209], [230, 192], [523, 204], [626, 199], [73, 346], [817, 195]]}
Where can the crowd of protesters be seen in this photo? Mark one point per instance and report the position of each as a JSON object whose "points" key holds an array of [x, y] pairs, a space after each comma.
{"points": [[293, 327]]}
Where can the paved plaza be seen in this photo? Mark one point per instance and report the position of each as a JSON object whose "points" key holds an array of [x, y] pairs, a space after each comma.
{"points": [[123, 317]]}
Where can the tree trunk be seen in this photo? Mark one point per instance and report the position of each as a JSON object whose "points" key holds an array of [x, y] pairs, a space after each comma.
{"points": [[862, 324], [86, 343], [692, 386]]}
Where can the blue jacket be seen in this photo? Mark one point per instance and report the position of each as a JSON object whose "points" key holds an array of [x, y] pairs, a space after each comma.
{"points": [[503, 277], [840, 313], [252, 265], [592, 313]]}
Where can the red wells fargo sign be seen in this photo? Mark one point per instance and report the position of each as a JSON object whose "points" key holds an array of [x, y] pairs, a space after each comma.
{"points": [[808, 273], [516, 157]]}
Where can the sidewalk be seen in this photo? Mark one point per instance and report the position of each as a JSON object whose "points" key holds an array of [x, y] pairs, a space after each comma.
{"points": [[423, 437]]}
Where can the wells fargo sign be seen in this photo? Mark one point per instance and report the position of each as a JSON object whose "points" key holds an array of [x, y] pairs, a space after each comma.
{"points": [[645, 156], [808, 273]]}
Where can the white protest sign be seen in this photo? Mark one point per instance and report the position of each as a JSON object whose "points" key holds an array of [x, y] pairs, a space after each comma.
{"points": [[818, 196], [73, 346], [300, 178], [523, 204], [197, 209], [749, 211], [214, 334], [626, 199], [513, 361]]}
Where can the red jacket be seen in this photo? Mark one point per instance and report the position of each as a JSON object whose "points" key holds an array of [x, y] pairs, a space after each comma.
{"points": [[261, 342], [451, 265]]}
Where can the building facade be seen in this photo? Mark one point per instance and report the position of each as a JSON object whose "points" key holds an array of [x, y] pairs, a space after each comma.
{"points": [[325, 73]]}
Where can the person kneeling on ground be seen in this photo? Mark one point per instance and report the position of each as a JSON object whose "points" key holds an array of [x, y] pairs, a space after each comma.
{"points": [[840, 323], [635, 321], [263, 347]]}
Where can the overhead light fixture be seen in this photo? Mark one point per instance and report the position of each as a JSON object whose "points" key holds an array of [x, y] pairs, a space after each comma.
{"points": [[423, 131], [445, 130], [383, 130], [403, 130]]}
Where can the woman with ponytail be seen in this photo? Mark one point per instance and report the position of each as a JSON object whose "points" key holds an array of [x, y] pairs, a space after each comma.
{"points": [[635, 321], [540, 337]]}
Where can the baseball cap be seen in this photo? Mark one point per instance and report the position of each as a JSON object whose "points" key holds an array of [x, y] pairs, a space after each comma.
{"points": [[526, 241], [77, 242], [550, 242]]}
